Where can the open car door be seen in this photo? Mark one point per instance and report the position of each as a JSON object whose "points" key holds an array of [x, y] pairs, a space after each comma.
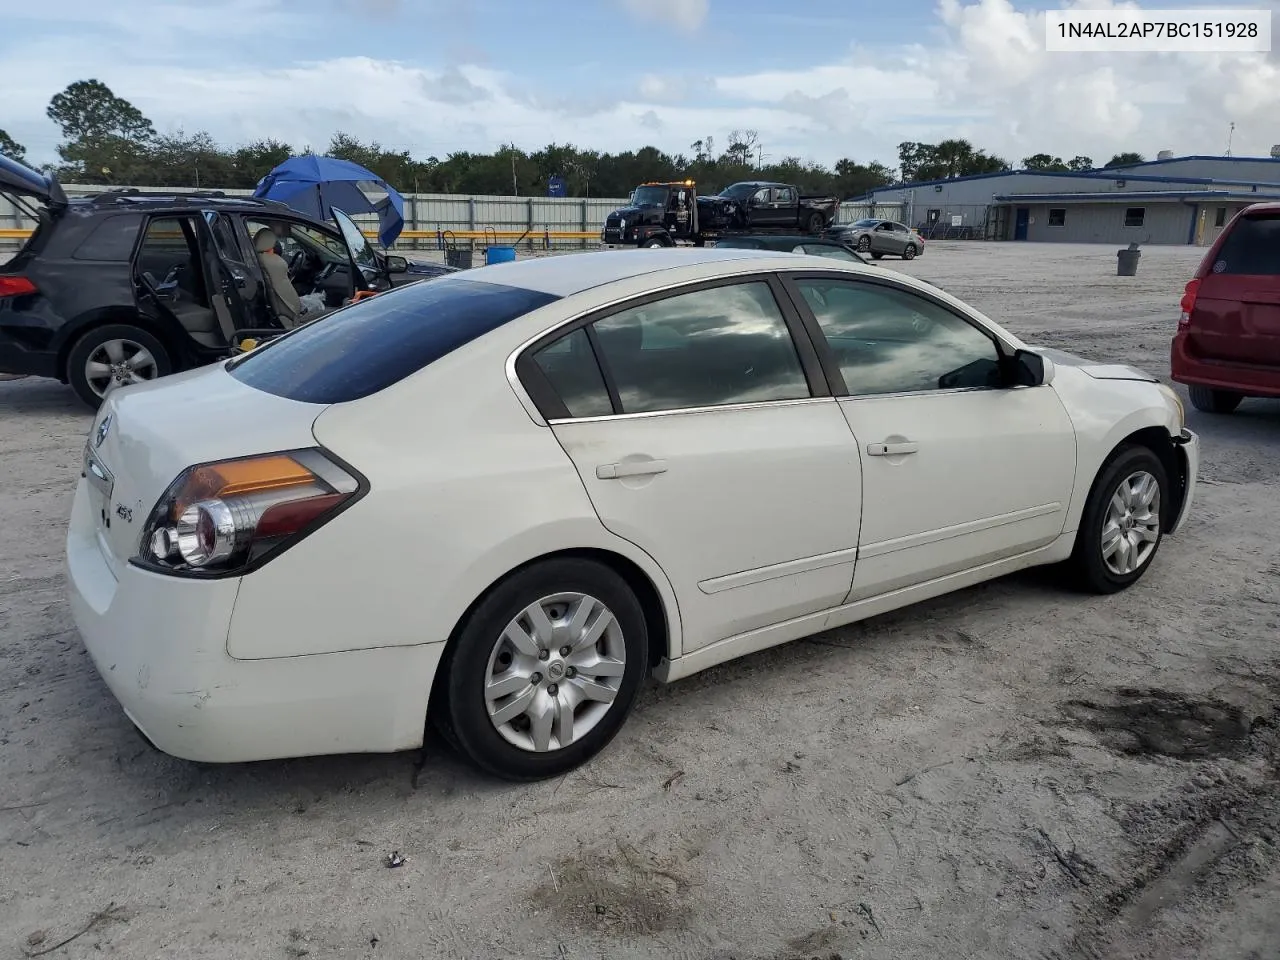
{"points": [[234, 287], [366, 269]]}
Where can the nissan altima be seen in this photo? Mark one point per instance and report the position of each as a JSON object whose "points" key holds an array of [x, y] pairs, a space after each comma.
{"points": [[498, 499]]}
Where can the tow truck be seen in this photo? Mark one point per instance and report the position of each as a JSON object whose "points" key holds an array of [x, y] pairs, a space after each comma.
{"points": [[664, 214]]}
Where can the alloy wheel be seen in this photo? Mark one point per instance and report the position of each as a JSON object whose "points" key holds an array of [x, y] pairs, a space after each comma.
{"points": [[117, 363], [1131, 524], [555, 671]]}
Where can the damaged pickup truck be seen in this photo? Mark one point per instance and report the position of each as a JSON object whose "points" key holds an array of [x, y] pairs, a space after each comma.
{"points": [[666, 214]]}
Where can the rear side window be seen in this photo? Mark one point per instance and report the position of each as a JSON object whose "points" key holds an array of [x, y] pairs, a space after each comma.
{"points": [[112, 239], [357, 352], [1251, 247]]}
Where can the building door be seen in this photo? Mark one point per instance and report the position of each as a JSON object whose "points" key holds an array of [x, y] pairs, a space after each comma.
{"points": [[1020, 221]]}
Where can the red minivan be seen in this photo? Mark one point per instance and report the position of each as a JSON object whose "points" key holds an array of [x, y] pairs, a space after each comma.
{"points": [[1228, 342]]}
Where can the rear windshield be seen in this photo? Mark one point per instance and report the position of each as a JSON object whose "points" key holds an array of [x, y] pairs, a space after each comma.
{"points": [[368, 347], [1252, 247]]}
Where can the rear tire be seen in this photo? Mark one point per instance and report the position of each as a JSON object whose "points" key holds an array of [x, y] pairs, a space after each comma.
{"points": [[479, 682], [653, 244], [1122, 525], [113, 355], [815, 223], [910, 252], [1208, 400]]}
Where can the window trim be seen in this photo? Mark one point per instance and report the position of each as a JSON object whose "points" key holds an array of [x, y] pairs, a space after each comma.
{"points": [[524, 372], [827, 357], [1134, 226]]}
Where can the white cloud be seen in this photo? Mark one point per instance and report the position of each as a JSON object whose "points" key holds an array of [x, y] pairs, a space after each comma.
{"points": [[688, 15], [979, 71]]}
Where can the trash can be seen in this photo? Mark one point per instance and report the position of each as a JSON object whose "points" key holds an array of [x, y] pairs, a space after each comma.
{"points": [[1127, 261], [499, 254], [459, 257]]}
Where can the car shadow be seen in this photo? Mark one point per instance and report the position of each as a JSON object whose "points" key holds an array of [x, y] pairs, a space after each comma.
{"points": [[39, 395]]}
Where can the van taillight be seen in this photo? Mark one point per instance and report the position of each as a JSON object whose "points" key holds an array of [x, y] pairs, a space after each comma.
{"points": [[1188, 302], [16, 287]]}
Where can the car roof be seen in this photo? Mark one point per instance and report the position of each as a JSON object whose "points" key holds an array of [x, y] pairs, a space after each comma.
{"points": [[565, 275], [144, 200], [781, 239]]}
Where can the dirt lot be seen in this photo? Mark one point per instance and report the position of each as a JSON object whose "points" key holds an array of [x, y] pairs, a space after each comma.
{"points": [[1010, 772]]}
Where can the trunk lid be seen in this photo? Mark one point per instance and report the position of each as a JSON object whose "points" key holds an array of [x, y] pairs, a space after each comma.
{"points": [[145, 436], [22, 181], [1236, 317]]}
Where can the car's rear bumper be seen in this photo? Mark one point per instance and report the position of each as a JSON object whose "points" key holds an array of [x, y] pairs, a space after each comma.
{"points": [[160, 644], [15, 358], [1254, 380]]}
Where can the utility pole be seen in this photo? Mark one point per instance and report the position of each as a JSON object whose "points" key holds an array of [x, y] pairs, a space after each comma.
{"points": [[1231, 132], [515, 192]]}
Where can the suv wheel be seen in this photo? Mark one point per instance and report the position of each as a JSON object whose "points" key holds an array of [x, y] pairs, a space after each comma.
{"points": [[1209, 400], [114, 356]]}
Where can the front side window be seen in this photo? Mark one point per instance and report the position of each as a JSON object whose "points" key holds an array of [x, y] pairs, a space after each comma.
{"points": [[761, 196], [1135, 216], [887, 340], [370, 345], [710, 347]]}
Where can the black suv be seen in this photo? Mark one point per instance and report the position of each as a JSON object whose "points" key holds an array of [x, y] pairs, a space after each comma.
{"points": [[127, 286]]}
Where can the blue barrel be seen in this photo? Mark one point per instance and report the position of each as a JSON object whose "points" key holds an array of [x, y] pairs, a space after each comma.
{"points": [[499, 254]]}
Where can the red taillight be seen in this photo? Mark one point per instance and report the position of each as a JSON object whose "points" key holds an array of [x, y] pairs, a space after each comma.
{"points": [[1188, 302], [16, 287]]}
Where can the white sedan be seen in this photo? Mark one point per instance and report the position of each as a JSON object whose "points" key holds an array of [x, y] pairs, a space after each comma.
{"points": [[498, 499]]}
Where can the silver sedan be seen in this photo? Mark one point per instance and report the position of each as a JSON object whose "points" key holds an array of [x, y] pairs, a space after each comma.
{"points": [[880, 237]]}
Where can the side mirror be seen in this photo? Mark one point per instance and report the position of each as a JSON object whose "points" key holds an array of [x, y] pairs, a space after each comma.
{"points": [[397, 265], [1027, 369]]}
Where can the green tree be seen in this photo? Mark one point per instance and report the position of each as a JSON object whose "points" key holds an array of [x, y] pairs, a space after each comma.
{"points": [[1080, 163], [11, 148], [1123, 160], [1043, 161], [106, 137]]}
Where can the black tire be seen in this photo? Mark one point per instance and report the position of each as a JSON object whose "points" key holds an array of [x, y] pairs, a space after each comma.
{"points": [[864, 244], [462, 714], [1088, 569], [653, 243], [1208, 400], [815, 223], [93, 340], [909, 252]]}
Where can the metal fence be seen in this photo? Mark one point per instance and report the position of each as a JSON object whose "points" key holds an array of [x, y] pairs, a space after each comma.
{"points": [[955, 221], [436, 221]]}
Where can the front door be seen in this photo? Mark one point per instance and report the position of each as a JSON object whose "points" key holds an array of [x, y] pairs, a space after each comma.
{"points": [[705, 438], [958, 470], [1021, 220]]}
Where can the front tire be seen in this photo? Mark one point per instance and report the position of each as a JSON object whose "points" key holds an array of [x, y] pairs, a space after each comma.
{"points": [[864, 244], [114, 355], [654, 243], [544, 671], [1122, 525], [1208, 400]]}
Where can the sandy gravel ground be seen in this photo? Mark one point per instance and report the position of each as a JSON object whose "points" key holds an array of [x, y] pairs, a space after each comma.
{"points": [[1010, 772]]}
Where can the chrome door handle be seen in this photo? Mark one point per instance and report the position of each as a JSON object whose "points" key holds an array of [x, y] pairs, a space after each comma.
{"points": [[891, 449], [638, 468]]}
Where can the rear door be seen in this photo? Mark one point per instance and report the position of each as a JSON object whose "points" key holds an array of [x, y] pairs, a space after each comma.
{"points": [[1237, 311], [785, 207], [232, 284], [704, 432]]}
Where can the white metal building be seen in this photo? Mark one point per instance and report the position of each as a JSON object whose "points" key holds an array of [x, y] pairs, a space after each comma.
{"points": [[1173, 200]]}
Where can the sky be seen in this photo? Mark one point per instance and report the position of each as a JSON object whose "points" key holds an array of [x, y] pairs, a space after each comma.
{"points": [[817, 79]]}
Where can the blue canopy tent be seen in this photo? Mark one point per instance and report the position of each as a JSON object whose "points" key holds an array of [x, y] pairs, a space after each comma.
{"points": [[315, 185]]}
